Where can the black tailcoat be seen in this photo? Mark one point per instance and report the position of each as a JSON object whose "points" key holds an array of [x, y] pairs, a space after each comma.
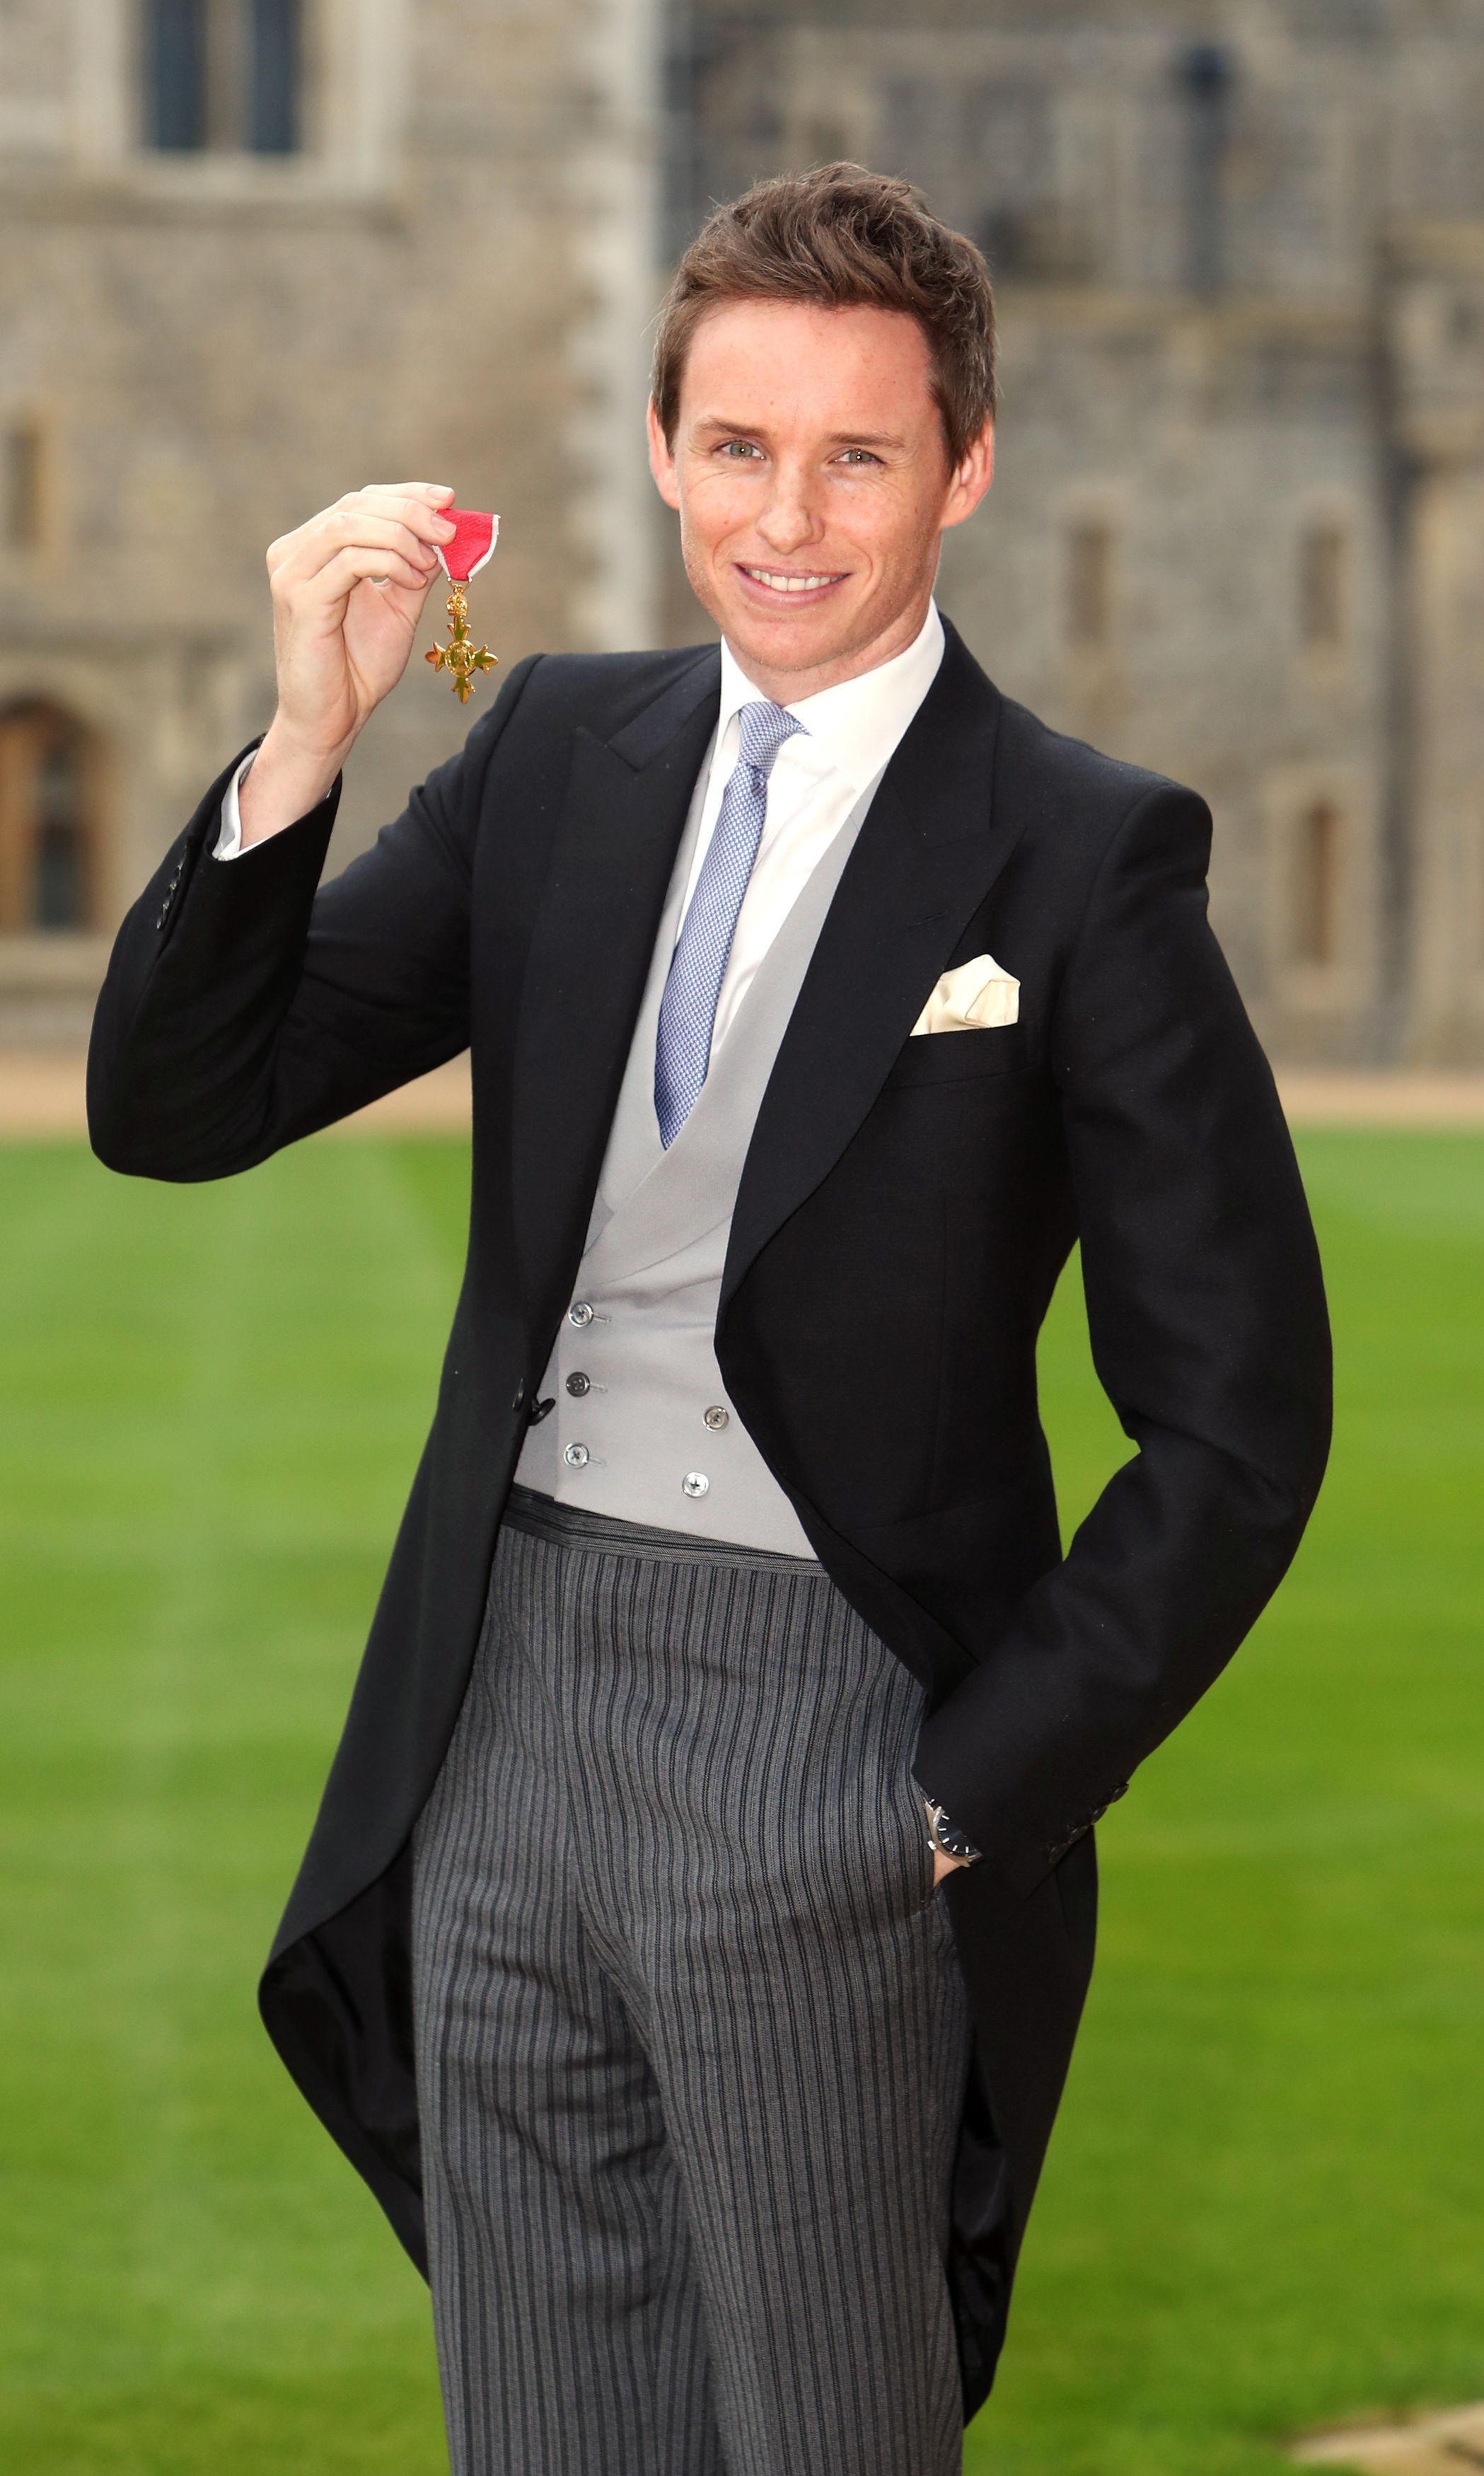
{"points": [[905, 1208]]}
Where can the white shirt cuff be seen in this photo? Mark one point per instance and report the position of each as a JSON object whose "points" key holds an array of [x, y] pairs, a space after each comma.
{"points": [[229, 839]]}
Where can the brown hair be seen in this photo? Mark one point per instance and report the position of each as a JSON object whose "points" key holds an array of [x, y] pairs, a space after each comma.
{"points": [[846, 238]]}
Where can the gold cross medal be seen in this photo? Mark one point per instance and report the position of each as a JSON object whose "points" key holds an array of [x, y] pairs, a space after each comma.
{"points": [[472, 548]]}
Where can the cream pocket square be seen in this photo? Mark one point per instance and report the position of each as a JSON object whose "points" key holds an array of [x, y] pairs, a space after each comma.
{"points": [[978, 997]]}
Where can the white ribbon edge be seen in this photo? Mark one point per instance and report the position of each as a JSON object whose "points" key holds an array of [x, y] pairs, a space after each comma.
{"points": [[494, 536]]}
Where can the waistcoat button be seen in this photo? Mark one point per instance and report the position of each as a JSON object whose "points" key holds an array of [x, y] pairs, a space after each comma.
{"points": [[717, 1418], [580, 1314], [576, 1456], [578, 1384], [694, 1482]]}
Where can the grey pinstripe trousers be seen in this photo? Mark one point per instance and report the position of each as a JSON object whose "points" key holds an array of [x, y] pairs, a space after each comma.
{"points": [[691, 2033]]}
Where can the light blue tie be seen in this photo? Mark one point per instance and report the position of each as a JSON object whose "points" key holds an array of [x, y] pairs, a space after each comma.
{"points": [[687, 1011]]}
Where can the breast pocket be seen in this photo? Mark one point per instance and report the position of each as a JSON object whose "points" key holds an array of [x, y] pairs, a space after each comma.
{"points": [[959, 1056]]}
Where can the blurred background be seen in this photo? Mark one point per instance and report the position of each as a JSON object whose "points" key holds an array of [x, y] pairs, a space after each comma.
{"points": [[255, 253]]}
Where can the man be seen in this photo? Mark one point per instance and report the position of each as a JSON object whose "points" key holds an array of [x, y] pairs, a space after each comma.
{"points": [[818, 999]]}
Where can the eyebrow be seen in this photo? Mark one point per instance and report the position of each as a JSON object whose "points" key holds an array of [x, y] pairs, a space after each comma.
{"points": [[721, 429]]}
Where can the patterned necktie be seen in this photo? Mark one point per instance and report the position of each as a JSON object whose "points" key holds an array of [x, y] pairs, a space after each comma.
{"points": [[682, 1051]]}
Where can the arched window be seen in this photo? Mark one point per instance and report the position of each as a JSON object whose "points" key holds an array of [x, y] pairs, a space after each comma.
{"points": [[223, 75], [1317, 884], [47, 841]]}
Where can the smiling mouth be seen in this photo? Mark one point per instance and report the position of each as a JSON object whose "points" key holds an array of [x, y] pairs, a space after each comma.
{"points": [[775, 581]]}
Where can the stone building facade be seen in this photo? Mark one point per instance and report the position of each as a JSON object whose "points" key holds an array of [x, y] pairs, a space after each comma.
{"points": [[1237, 532], [253, 254]]}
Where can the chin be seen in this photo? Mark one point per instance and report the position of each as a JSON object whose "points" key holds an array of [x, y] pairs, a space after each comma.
{"points": [[786, 643]]}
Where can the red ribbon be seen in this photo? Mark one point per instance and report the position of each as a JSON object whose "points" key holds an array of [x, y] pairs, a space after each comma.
{"points": [[475, 537]]}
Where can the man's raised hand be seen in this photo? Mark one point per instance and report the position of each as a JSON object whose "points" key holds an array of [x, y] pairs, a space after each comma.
{"points": [[348, 593]]}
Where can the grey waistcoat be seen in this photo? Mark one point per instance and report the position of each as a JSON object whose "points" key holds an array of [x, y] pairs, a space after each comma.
{"points": [[642, 1427]]}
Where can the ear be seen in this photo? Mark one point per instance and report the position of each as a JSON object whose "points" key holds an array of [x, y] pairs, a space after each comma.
{"points": [[661, 463], [970, 478]]}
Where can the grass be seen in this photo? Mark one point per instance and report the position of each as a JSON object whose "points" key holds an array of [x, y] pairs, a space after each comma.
{"points": [[1263, 2201]]}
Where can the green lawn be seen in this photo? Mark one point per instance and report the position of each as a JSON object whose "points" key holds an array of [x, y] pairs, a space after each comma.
{"points": [[1263, 2204]]}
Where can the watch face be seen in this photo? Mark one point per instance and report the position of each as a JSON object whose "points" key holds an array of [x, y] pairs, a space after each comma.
{"points": [[952, 1841]]}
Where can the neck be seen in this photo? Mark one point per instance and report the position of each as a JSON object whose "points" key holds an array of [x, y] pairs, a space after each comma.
{"points": [[792, 687]]}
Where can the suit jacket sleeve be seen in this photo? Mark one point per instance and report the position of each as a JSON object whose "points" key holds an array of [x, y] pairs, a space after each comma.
{"points": [[243, 1008], [1209, 1333]]}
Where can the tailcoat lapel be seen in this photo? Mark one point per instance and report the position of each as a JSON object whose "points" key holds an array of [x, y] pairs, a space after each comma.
{"points": [[612, 854], [924, 859]]}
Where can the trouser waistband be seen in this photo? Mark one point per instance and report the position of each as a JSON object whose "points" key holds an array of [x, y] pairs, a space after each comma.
{"points": [[570, 1525]]}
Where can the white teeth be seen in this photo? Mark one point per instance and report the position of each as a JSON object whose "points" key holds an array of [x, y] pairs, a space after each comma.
{"points": [[789, 583]]}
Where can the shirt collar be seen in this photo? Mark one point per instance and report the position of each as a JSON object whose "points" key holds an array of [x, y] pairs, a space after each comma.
{"points": [[855, 728]]}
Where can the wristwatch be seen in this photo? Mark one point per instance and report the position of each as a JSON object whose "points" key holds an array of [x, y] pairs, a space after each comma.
{"points": [[946, 1837]]}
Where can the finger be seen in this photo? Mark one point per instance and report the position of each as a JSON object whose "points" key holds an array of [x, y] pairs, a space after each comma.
{"points": [[354, 529], [408, 506], [418, 526], [405, 599], [422, 505], [414, 503], [400, 521], [420, 515], [360, 563], [434, 492]]}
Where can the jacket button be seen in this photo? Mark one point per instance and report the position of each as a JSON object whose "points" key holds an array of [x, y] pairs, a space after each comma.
{"points": [[519, 1403], [578, 1384], [576, 1456], [717, 1418], [580, 1314], [693, 1483]]}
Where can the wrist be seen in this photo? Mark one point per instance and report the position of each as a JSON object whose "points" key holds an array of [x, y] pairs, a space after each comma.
{"points": [[284, 782]]}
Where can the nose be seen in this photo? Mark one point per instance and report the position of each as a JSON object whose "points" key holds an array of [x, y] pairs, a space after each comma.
{"points": [[789, 519]]}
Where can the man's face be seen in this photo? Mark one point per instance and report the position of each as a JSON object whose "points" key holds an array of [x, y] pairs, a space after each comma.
{"points": [[813, 484]]}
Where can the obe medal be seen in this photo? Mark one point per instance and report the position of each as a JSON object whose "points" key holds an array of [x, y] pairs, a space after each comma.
{"points": [[475, 537]]}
